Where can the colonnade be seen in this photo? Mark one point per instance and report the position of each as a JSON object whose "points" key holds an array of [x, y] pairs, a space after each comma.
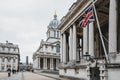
{"points": [[88, 45], [69, 37], [47, 63]]}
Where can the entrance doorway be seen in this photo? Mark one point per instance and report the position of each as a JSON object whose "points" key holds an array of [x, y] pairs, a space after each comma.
{"points": [[54, 64], [41, 63], [94, 73], [48, 63]]}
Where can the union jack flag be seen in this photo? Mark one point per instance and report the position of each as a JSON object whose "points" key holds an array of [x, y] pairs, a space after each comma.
{"points": [[87, 17]]}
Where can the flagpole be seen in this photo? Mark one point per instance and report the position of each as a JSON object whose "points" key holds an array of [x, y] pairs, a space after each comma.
{"points": [[98, 25]]}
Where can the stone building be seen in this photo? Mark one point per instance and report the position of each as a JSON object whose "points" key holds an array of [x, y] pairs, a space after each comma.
{"points": [[47, 57], [83, 55], [25, 67], [9, 56]]}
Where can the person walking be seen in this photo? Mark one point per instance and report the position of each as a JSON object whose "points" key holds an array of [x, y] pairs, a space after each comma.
{"points": [[9, 72]]}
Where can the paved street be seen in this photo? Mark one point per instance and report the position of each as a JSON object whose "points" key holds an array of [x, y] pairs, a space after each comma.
{"points": [[32, 76], [24, 76], [3, 75]]}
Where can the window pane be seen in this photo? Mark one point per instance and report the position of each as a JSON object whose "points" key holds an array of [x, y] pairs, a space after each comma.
{"points": [[57, 48]]}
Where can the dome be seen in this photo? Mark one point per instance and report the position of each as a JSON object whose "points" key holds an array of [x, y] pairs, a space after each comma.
{"points": [[54, 23]]}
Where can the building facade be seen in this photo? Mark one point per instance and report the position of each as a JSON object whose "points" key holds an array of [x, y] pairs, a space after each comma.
{"points": [[25, 67], [9, 56], [47, 57], [85, 55]]}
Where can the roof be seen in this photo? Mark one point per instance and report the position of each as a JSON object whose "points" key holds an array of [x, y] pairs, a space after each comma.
{"points": [[54, 23]]}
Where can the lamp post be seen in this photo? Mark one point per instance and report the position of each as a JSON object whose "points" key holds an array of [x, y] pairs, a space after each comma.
{"points": [[88, 57]]}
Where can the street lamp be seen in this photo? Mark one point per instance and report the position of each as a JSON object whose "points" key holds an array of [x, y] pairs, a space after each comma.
{"points": [[88, 57]]}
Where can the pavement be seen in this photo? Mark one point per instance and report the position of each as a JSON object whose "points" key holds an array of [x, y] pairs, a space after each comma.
{"points": [[3, 75], [33, 76], [26, 76], [17, 76], [30, 76], [54, 76]]}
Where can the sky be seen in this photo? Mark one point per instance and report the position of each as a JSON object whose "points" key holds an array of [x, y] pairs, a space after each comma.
{"points": [[24, 22]]}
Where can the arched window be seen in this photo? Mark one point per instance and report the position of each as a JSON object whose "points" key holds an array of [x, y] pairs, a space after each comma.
{"points": [[58, 48]]}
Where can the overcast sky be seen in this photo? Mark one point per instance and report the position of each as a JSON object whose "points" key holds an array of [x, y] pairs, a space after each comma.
{"points": [[24, 22]]}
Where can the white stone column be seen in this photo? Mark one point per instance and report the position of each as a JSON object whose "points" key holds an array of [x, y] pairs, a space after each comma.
{"points": [[61, 48], [81, 44], [113, 26], [16, 61], [85, 40], [52, 63], [91, 39], [64, 48], [74, 42], [70, 44], [56, 63], [5, 64], [11, 62], [38, 63]]}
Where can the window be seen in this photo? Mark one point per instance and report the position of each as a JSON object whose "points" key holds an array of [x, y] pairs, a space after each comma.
{"points": [[2, 67], [14, 49], [3, 59], [13, 60], [52, 47], [58, 48], [3, 48], [8, 49], [8, 66], [58, 34], [54, 33], [9, 59]]}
